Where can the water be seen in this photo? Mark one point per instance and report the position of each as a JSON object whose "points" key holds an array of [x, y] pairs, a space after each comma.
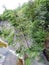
{"points": [[3, 50], [2, 57], [3, 53], [6, 53]]}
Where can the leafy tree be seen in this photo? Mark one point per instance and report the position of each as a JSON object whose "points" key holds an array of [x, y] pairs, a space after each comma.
{"points": [[31, 20]]}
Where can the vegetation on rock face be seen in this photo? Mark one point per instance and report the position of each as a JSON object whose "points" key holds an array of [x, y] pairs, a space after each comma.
{"points": [[30, 21]]}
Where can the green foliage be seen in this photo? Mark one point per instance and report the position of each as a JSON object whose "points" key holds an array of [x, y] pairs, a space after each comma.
{"points": [[10, 38], [28, 62], [5, 32], [30, 20], [40, 26]]}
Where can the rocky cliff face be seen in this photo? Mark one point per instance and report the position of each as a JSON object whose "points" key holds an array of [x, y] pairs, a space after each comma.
{"points": [[17, 41]]}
